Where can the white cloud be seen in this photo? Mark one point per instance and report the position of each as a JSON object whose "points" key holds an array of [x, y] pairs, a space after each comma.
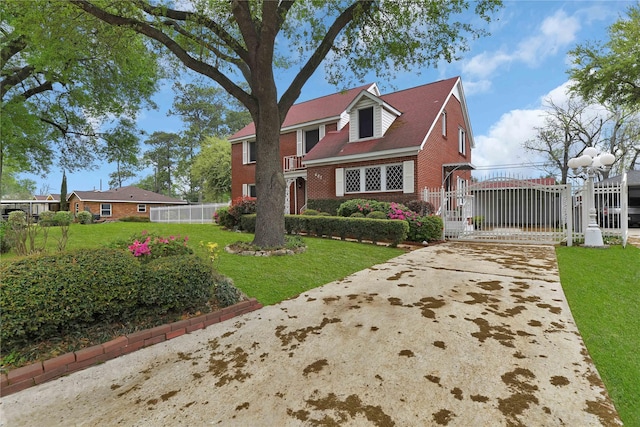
{"points": [[501, 148], [554, 33], [475, 87]]}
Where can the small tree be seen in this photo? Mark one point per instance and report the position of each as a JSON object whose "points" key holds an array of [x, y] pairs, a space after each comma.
{"points": [[64, 205]]}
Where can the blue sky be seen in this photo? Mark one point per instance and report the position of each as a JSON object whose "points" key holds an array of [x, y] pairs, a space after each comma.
{"points": [[506, 77]]}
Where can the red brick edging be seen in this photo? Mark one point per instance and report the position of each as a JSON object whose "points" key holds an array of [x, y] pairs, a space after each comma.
{"points": [[26, 376]]}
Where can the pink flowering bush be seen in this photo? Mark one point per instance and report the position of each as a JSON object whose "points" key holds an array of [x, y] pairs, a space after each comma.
{"points": [[147, 246]]}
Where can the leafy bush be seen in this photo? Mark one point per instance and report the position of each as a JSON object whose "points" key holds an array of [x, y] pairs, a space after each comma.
{"points": [[148, 246], [363, 206], [135, 218], [223, 218], [45, 296], [376, 215], [421, 207], [311, 212], [226, 293], [357, 215], [85, 217], [175, 283], [42, 296], [46, 218], [63, 218]]}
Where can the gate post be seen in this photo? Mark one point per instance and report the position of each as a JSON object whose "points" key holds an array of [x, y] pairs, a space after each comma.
{"points": [[568, 202]]}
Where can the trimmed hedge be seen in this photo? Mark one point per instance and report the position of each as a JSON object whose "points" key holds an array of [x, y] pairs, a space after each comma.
{"points": [[360, 229], [325, 205], [47, 295]]}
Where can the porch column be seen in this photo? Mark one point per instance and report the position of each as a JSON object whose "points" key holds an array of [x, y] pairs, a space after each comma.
{"points": [[287, 195]]}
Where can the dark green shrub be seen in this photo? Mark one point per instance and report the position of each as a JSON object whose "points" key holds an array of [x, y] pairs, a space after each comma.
{"points": [[135, 218], [324, 214], [421, 207], [175, 283], [311, 212], [84, 217], [226, 293], [223, 218], [325, 205], [377, 215], [43, 296], [242, 206], [357, 215], [147, 246]]}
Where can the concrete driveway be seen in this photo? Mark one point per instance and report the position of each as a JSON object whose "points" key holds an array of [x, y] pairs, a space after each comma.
{"points": [[454, 334]]}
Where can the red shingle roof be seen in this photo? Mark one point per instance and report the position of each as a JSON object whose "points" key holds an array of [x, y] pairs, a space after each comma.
{"points": [[420, 107], [312, 110]]}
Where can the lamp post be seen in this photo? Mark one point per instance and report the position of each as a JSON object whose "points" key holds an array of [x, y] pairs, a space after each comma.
{"points": [[590, 163]]}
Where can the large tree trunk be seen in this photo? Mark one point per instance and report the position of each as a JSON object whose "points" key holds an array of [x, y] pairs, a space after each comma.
{"points": [[270, 183]]}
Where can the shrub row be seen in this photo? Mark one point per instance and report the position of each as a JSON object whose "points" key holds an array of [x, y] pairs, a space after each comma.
{"points": [[47, 295], [360, 229]]}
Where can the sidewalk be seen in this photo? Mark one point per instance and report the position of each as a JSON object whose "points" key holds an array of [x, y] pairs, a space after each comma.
{"points": [[454, 334]]}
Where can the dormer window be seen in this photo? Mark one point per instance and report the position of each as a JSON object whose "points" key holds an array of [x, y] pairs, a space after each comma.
{"points": [[365, 122]]}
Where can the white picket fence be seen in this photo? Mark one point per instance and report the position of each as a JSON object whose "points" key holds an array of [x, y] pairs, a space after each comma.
{"points": [[189, 214], [527, 210]]}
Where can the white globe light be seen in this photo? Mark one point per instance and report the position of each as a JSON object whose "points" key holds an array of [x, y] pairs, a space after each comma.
{"points": [[573, 163], [590, 151], [584, 160], [597, 162], [607, 159]]}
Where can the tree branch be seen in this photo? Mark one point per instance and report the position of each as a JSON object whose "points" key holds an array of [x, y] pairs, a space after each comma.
{"points": [[16, 78], [293, 92], [184, 56], [12, 48]]}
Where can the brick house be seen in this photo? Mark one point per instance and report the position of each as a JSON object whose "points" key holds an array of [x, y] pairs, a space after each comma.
{"points": [[119, 202], [362, 144]]}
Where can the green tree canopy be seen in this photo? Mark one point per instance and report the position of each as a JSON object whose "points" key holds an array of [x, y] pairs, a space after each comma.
{"points": [[610, 72], [64, 77], [212, 167], [250, 41]]}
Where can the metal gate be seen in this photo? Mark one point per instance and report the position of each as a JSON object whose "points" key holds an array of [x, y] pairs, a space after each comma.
{"points": [[517, 210]]}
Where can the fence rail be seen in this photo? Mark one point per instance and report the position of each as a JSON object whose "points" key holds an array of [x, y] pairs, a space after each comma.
{"points": [[528, 210], [190, 214]]}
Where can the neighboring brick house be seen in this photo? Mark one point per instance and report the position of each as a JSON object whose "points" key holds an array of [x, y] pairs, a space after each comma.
{"points": [[119, 202], [361, 144]]}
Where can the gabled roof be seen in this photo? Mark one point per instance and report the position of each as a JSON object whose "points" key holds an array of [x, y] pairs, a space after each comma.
{"points": [[128, 194], [323, 108], [50, 197], [421, 108]]}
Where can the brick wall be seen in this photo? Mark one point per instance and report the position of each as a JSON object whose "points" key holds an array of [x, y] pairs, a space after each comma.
{"points": [[118, 210]]}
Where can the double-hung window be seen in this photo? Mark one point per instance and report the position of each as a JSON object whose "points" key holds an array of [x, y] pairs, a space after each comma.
{"points": [[248, 152], [142, 208], [311, 138], [105, 209]]}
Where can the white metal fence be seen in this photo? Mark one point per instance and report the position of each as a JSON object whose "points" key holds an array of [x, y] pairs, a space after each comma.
{"points": [[191, 214], [527, 210]]}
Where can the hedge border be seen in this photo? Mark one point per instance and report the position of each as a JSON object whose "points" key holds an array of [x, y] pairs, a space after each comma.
{"points": [[39, 372]]}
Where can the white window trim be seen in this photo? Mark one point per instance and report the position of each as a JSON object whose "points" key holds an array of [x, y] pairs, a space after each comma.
{"points": [[301, 140], [462, 141], [103, 210], [143, 209], [246, 153], [246, 190], [444, 123]]}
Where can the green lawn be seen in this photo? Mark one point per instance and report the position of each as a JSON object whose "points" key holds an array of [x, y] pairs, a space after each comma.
{"points": [[268, 279], [603, 290]]}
